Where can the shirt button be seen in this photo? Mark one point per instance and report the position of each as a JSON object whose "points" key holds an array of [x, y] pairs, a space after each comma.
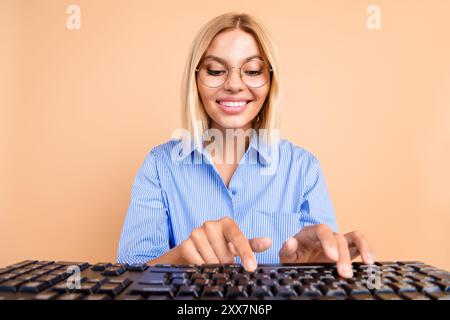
{"points": [[233, 192]]}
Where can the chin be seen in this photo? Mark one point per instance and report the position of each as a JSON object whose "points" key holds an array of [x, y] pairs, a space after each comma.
{"points": [[233, 123]]}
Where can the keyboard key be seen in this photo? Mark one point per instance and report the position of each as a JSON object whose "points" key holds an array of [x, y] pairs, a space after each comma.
{"points": [[45, 263], [200, 276], [22, 264], [10, 285], [403, 287], [70, 296], [386, 263], [331, 298], [138, 267], [98, 280], [153, 278], [180, 282], [284, 291], [123, 282], [5, 270], [334, 291], [439, 295], [97, 297], [268, 282], [188, 291], [362, 297], [87, 288], [440, 275], [112, 289], [233, 292], [28, 277], [427, 287], [444, 285], [81, 265], [115, 270], [383, 289], [411, 263], [174, 269], [49, 279], [154, 290], [388, 296], [261, 292], [180, 275], [202, 282], [354, 289], [212, 291], [414, 296], [309, 291], [101, 266], [50, 295], [60, 287], [35, 286]]}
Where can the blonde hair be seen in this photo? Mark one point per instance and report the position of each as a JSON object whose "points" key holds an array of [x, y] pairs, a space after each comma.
{"points": [[194, 117]]}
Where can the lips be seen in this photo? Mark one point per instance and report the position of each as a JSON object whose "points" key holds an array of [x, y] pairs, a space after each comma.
{"points": [[233, 106]]}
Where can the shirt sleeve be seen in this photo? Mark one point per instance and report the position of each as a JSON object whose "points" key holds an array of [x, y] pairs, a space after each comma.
{"points": [[145, 234], [316, 207]]}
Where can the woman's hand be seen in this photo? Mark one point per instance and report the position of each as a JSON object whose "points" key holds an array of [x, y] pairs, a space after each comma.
{"points": [[220, 241], [318, 243]]}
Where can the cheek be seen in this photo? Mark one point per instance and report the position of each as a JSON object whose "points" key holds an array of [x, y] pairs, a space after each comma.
{"points": [[261, 95], [206, 94]]}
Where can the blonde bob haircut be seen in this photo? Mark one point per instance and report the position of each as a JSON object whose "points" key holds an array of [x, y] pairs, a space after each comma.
{"points": [[194, 117]]}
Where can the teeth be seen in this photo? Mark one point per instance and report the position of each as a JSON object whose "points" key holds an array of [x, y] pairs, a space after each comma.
{"points": [[233, 104]]}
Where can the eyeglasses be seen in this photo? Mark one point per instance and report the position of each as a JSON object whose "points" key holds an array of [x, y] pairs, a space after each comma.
{"points": [[254, 73]]}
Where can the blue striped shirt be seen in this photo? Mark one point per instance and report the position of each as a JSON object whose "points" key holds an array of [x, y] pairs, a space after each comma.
{"points": [[173, 193]]}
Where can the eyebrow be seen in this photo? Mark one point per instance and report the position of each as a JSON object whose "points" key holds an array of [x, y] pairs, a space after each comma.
{"points": [[209, 56]]}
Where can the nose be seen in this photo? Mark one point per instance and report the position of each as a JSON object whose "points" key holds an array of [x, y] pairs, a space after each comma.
{"points": [[234, 82]]}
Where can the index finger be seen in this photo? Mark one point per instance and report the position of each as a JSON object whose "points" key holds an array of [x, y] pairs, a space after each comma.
{"points": [[309, 236], [233, 234]]}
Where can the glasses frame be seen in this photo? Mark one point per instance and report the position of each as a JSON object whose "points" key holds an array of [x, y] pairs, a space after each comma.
{"points": [[229, 69]]}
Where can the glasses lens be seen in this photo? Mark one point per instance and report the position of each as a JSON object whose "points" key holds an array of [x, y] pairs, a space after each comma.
{"points": [[255, 73], [213, 73]]}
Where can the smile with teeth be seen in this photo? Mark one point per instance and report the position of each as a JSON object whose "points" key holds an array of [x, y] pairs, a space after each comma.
{"points": [[233, 104]]}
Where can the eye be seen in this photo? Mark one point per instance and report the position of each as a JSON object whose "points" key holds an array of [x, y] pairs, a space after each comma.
{"points": [[215, 72], [253, 73]]}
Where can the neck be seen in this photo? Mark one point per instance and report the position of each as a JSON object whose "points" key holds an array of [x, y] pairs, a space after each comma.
{"points": [[233, 147]]}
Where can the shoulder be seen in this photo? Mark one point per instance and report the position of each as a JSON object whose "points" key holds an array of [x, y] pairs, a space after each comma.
{"points": [[300, 162], [165, 149], [297, 153], [159, 154]]}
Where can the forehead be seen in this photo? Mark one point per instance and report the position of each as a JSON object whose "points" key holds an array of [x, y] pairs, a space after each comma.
{"points": [[234, 46]]}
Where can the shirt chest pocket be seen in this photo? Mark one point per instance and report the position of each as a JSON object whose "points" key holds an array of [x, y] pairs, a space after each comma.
{"points": [[278, 226]]}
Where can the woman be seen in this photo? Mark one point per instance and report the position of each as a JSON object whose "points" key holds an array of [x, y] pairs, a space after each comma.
{"points": [[211, 200]]}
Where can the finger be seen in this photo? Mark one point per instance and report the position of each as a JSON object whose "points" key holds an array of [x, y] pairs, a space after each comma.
{"points": [[344, 265], [234, 235], [201, 242], [257, 245], [288, 252], [309, 236], [260, 244], [218, 242], [364, 248], [190, 253], [233, 249]]}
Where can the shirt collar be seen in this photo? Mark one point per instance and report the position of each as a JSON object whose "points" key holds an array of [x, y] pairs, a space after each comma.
{"points": [[257, 143]]}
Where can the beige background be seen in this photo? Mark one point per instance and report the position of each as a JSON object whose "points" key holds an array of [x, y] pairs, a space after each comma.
{"points": [[80, 109]]}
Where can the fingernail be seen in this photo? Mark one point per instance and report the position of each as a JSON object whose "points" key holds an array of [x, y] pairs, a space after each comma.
{"points": [[251, 265], [370, 258], [346, 270]]}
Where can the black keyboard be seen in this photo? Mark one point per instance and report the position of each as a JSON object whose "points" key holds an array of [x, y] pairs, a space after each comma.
{"points": [[49, 280]]}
